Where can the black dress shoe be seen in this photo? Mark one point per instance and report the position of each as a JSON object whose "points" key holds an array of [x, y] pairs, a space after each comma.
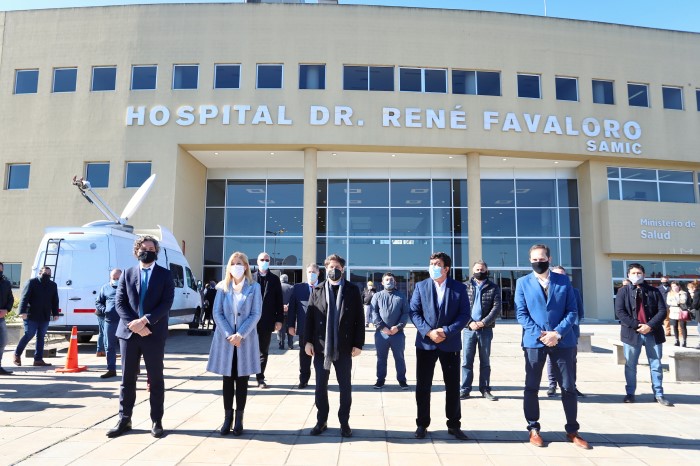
{"points": [[487, 394], [318, 429], [420, 432], [458, 434], [108, 375], [663, 401], [157, 429], [303, 385], [628, 399], [552, 391], [579, 394], [262, 384], [345, 430], [123, 426], [464, 396]]}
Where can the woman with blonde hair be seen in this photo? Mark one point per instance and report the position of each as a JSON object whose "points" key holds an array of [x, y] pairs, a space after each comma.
{"points": [[235, 352], [676, 300]]}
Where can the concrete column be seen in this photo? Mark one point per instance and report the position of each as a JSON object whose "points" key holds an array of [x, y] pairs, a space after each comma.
{"points": [[310, 196], [474, 205]]}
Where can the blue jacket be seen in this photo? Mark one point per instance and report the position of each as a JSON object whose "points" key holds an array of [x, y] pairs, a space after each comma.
{"points": [[426, 316], [104, 304], [298, 302], [559, 312]]}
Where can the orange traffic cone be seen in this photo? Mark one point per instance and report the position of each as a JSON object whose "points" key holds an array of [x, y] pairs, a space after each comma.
{"points": [[72, 357]]}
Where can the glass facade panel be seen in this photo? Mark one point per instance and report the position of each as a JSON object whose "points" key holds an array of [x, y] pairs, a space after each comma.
{"points": [[269, 77], [676, 192], [312, 76], [461, 222], [214, 251], [497, 193], [18, 176], [97, 174], [568, 193], [185, 76], [411, 252], [460, 255], [355, 78], [442, 193], [639, 191], [537, 222], [216, 193], [536, 193], [529, 86], [214, 221], [282, 193], [675, 175], [500, 252], [683, 270], [673, 97], [459, 194], [488, 83], [442, 222], [614, 190], [337, 222], [410, 193], [227, 76], [497, 222], [435, 81], [322, 193], [321, 222], [104, 78], [410, 79], [566, 88], [284, 222], [338, 193], [569, 222], [336, 246], [524, 245], [245, 222], [373, 252], [637, 174], [638, 95], [284, 251], [251, 247], [64, 79], [137, 173], [603, 92], [464, 82], [245, 193], [26, 81], [410, 222], [381, 78], [143, 77], [368, 222], [370, 193], [570, 252]]}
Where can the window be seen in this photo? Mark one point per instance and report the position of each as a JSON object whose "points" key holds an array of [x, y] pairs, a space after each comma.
{"points": [[185, 77], [97, 173], [529, 86], [178, 275], [638, 95], [143, 77], [13, 273], [641, 184], [566, 88], [64, 79], [476, 82], [603, 92], [191, 282], [137, 173], [104, 78], [697, 99], [17, 176], [312, 76], [372, 78], [227, 76], [673, 97], [269, 77], [26, 81], [423, 80]]}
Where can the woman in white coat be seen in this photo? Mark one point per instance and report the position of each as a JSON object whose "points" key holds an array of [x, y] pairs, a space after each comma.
{"points": [[235, 352]]}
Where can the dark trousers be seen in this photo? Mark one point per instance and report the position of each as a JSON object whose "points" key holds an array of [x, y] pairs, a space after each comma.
{"points": [[304, 364], [235, 386], [565, 373], [551, 373], [425, 368], [153, 351], [683, 329], [264, 338], [31, 328], [343, 372]]}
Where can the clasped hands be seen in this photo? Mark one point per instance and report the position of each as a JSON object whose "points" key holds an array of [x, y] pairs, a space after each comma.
{"points": [[138, 326], [309, 349], [438, 335], [643, 329], [235, 339], [390, 331], [549, 338]]}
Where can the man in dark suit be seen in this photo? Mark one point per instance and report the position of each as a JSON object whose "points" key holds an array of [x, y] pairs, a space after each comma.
{"points": [[440, 310], [334, 333], [272, 311], [545, 305], [283, 333], [143, 300], [296, 319], [641, 310]]}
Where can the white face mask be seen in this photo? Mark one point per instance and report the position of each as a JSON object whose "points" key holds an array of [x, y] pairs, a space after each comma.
{"points": [[237, 271], [636, 280]]}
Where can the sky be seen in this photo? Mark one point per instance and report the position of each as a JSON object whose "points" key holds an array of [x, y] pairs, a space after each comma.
{"points": [[681, 15]]}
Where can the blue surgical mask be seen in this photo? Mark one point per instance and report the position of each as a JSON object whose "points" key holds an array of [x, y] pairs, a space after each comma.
{"points": [[435, 271], [115, 282], [312, 277], [264, 266], [390, 285]]}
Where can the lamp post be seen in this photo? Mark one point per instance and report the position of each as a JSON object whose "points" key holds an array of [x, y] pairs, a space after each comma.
{"points": [[274, 243]]}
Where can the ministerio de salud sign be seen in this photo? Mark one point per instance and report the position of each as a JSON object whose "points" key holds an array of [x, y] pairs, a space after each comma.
{"points": [[602, 135]]}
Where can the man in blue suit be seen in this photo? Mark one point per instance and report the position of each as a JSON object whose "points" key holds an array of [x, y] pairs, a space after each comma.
{"points": [[440, 310], [296, 319], [545, 305], [144, 297]]}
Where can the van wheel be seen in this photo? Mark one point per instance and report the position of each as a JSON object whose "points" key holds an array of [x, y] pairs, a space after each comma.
{"points": [[84, 338]]}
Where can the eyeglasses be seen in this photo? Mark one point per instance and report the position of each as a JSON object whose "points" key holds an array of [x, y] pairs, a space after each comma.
{"points": [[264, 260]]}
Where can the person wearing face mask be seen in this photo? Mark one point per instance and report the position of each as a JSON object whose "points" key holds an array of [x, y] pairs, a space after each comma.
{"points": [[485, 303], [334, 333], [641, 310], [440, 310], [283, 333], [37, 307], [7, 300], [272, 311], [545, 305], [367, 295], [143, 300], [677, 299], [235, 351], [389, 314], [296, 319], [664, 288], [105, 305]]}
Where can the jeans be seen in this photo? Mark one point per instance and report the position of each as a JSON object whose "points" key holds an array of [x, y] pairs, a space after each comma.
{"points": [[343, 372], [112, 343], [471, 340], [563, 360], [397, 343], [368, 311], [101, 335], [425, 368], [31, 328], [654, 353], [3, 337]]}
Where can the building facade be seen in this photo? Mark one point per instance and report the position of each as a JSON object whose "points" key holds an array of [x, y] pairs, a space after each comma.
{"points": [[379, 133]]}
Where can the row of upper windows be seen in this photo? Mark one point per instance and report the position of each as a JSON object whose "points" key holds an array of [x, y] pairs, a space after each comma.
{"points": [[643, 184], [97, 173], [366, 78]]}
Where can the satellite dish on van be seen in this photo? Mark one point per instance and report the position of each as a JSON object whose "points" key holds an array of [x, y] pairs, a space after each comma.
{"points": [[137, 199]]}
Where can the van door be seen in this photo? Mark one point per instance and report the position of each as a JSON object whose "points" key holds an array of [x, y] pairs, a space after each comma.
{"points": [[179, 308], [194, 298]]}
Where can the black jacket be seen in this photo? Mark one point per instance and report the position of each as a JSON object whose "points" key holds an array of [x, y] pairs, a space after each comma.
{"points": [[626, 312], [39, 300], [490, 301], [367, 295], [272, 306], [7, 299], [351, 331]]}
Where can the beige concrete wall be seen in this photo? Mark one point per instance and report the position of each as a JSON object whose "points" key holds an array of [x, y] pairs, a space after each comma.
{"points": [[189, 195]]}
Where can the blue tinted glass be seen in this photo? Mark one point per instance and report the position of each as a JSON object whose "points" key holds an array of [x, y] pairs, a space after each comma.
{"points": [[374, 193], [524, 250], [638, 95], [321, 216], [284, 222], [368, 222], [214, 222], [673, 98], [459, 195], [336, 246], [637, 174], [461, 222], [568, 193], [312, 76], [697, 99], [227, 76], [245, 193], [675, 192], [104, 78], [569, 222], [213, 251], [499, 252], [618, 269], [613, 172], [488, 83], [410, 193], [64, 79], [216, 193], [26, 81], [269, 76], [614, 190], [410, 79], [566, 88], [570, 252], [442, 222], [245, 222], [143, 77], [463, 82], [381, 78], [537, 222], [536, 193], [320, 250], [13, 272], [337, 222], [442, 193], [97, 174], [185, 76], [603, 92], [355, 78], [411, 252], [251, 247], [497, 222], [460, 255], [369, 252], [410, 222], [285, 193], [436, 81], [284, 251], [497, 193], [687, 270], [529, 86], [675, 175], [18, 177], [337, 193], [639, 191], [322, 193], [137, 173]]}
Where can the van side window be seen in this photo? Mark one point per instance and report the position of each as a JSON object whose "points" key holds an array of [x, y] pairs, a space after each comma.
{"points": [[191, 282], [178, 275]]}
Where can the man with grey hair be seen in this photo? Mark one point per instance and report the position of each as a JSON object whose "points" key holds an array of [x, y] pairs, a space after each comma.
{"points": [[105, 305], [272, 311], [296, 319]]}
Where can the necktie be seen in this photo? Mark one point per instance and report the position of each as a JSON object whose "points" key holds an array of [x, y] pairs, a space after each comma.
{"points": [[144, 288]]}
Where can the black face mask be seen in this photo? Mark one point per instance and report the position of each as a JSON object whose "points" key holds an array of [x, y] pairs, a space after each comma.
{"points": [[147, 257], [334, 275], [2, 276], [45, 276], [481, 275], [540, 267]]}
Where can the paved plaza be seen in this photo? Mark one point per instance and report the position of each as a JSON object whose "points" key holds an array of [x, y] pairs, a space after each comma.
{"points": [[56, 419]]}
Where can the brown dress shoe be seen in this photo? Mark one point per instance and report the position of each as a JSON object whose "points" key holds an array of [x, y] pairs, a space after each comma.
{"points": [[535, 438], [41, 363], [18, 360], [101, 354], [578, 441]]}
